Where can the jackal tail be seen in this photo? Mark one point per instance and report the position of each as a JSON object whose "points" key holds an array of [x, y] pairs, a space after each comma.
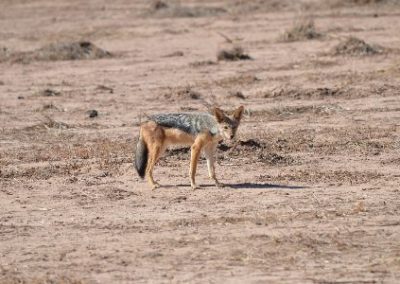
{"points": [[141, 157]]}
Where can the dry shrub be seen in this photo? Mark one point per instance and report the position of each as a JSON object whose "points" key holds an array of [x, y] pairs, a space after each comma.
{"points": [[4, 54], [367, 2], [357, 85], [254, 150], [158, 4], [105, 89], [339, 3], [304, 29], [242, 7], [353, 46], [233, 54], [62, 51], [237, 95], [202, 63], [13, 277], [49, 106], [175, 54], [49, 93], [301, 93], [240, 80], [175, 10], [49, 123]]}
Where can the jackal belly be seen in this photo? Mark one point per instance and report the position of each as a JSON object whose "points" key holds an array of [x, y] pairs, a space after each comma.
{"points": [[177, 137]]}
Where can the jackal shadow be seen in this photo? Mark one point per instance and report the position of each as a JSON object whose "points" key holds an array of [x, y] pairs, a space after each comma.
{"points": [[250, 185], [244, 186]]}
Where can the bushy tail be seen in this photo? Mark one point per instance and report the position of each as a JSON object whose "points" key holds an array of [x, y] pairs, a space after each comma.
{"points": [[141, 157]]}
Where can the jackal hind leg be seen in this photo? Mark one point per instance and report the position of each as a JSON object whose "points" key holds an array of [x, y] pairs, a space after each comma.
{"points": [[154, 155]]}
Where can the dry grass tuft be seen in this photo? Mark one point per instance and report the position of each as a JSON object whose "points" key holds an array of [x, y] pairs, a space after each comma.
{"points": [[340, 3], [243, 7], [4, 54], [49, 93], [61, 51], [158, 4], [304, 29], [359, 207], [172, 10], [353, 46], [237, 95], [301, 93], [254, 150], [14, 278], [183, 93], [240, 80], [202, 63], [233, 54]]}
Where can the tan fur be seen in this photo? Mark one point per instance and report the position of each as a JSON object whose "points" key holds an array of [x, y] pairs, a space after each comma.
{"points": [[158, 138]]}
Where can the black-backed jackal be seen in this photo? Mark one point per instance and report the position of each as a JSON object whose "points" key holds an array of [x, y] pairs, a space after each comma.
{"points": [[201, 131]]}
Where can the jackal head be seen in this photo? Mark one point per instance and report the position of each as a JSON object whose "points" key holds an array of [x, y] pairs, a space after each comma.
{"points": [[228, 121]]}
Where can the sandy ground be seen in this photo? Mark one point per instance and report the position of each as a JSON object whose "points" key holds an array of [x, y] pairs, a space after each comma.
{"points": [[314, 180]]}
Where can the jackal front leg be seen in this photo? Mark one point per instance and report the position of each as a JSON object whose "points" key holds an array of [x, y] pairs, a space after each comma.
{"points": [[209, 153], [195, 153]]}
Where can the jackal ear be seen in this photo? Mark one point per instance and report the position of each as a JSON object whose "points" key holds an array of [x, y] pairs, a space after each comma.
{"points": [[219, 114], [237, 114]]}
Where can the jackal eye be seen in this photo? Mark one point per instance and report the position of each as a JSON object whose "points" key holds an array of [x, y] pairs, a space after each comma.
{"points": [[226, 127]]}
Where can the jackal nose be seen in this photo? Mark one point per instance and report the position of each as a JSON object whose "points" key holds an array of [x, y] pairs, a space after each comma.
{"points": [[232, 136]]}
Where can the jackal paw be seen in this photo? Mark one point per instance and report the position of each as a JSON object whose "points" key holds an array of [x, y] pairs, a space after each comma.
{"points": [[194, 186], [219, 184], [155, 185]]}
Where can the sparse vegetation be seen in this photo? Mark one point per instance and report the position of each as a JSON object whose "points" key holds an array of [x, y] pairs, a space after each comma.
{"points": [[341, 3], [176, 10], [353, 46], [304, 29], [182, 93], [60, 51]]}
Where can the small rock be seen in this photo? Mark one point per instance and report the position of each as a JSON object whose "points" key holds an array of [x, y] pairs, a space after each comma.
{"points": [[93, 113], [175, 54], [105, 88], [233, 54], [50, 93], [157, 5], [237, 94]]}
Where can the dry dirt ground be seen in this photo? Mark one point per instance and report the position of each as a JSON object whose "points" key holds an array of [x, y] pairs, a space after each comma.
{"points": [[314, 180]]}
